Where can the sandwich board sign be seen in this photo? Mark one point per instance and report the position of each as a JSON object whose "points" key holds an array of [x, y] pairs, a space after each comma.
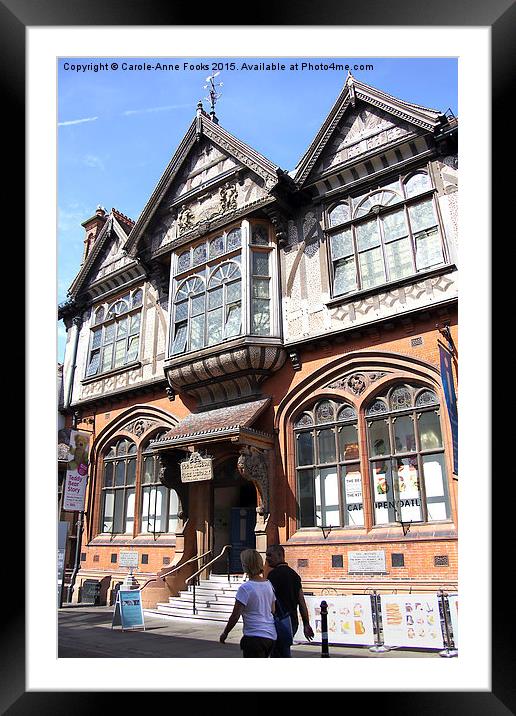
{"points": [[128, 610]]}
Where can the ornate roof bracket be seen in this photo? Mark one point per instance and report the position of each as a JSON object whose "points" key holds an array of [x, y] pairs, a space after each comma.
{"points": [[252, 465]]}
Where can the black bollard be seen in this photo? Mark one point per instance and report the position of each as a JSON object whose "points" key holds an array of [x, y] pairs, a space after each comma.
{"points": [[324, 630]]}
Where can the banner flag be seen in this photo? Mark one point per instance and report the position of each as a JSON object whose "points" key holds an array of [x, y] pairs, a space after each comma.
{"points": [[76, 472], [451, 401]]}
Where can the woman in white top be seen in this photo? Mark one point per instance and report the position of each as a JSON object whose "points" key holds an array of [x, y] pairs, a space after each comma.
{"points": [[255, 602]]}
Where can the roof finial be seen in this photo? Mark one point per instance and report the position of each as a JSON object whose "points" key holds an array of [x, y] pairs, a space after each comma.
{"points": [[351, 87], [214, 95]]}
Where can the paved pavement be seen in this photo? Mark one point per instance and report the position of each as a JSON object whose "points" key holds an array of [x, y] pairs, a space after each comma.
{"points": [[86, 632]]}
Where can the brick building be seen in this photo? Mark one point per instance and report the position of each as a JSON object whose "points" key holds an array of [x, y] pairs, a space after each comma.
{"points": [[285, 331]]}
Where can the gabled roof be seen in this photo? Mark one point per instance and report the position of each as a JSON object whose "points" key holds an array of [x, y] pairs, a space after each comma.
{"points": [[202, 125], [428, 119], [115, 221]]}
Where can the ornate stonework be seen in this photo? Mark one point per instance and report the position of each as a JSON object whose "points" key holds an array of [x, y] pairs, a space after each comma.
{"points": [[356, 383], [252, 465], [140, 426]]}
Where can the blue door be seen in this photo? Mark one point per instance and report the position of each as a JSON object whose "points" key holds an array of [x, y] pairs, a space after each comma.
{"points": [[243, 521]]}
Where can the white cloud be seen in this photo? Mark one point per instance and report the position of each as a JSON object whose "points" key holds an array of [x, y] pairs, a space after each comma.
{"points": [[76, 121]]}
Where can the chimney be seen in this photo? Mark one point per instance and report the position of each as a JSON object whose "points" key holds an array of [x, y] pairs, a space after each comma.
{"points": [[92, 226]]}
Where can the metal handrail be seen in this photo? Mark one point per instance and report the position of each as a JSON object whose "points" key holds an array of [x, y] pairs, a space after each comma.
{"points": [[188, 579], [194, 576], [175, 569]]}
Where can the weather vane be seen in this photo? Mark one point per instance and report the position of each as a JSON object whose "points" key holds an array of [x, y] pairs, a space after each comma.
{"points": [[214, 94]]}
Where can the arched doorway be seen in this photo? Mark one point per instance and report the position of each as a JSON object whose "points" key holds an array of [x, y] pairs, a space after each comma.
{"points": [[234, 514]]}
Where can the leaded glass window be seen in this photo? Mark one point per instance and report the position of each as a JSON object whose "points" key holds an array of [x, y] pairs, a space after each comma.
{"points": [[260, 294], [406, 457], [329, 480], [159, 504], [118, 488], [188, 333], [115, 334], [393, 233]]}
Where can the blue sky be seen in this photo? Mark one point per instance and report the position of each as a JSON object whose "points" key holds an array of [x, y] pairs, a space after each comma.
{"points": [[117, 129]]}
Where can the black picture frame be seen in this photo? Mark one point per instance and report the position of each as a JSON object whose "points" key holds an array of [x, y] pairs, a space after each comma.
{"points": [[500, 16]]}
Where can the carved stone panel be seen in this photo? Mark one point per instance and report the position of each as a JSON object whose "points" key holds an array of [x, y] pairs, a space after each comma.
{"points": [[252, 465], [356, 383]]}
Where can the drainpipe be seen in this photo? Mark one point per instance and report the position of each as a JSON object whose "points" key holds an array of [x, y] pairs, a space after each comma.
{"points": [[77, 323]]}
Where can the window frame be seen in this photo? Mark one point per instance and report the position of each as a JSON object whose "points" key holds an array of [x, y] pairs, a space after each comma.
{"points": [[146, 452], [113, 489], [378, 214]]}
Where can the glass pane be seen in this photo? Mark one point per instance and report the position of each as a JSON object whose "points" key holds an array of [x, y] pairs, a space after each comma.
{"points": [[199, 255], [215, 297], [121, 328], [122, 447], [399, 259], [172, 511], [422, 215], [148, 469], [326, 439], [260, 264], [216, 278], [347, 413], [120, 353], [404, 439], [367, 235], [129, 512], [159, 508], [382, 492], [120, 473], [328, 508], [234, 321], [394, 226], [119, 512], [180, 339], [99, 315], [352, 488], [304, 420], [217, 246], [409, 505], [345, 276], [305, 449], [96, 338], [132, 449], [107, 356], [183, 261], [339, 214], [348, 442], [109, 504], [260, 317], [233, 291], [427, 397], [260, 288], [324, 412], [197, 305], [108, 474], [233, 239], [260, 236], [214, 326], [379, 443], [134, 326], [131, 472], [197, 332], [109, 333], [429, 250], [371, 268], [137, 298], [306, 498], [401, 399], [94, 363], [429, 430], [417, 184], [341, 244], [434, 472], [132, 350], [145, 509]]}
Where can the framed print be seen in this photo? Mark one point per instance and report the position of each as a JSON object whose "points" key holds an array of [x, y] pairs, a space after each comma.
{"points": [[236, 183]]}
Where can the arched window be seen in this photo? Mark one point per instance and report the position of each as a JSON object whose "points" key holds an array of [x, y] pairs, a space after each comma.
{"points": [[394, 233], [118, 487], [406, 456], [115, 334], [224, 316], [159, 503], [189, 306], [329, 483]]}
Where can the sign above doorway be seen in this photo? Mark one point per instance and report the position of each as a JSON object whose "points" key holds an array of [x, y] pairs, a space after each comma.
{"points": [[197, 468]]}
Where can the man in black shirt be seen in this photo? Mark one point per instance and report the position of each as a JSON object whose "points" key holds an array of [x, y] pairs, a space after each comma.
{"points": [[287, 586]]}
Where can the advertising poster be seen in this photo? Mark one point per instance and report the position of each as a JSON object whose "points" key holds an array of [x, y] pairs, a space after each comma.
{"points": [[453, 601], [411, 620], [350, 619], [128, 609], [76, 471]]}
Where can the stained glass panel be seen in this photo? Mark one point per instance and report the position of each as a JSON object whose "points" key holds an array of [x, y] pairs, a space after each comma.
{"points": [[199, 254], [233, 239], [417, 184], [341, 244], [260, 264], [183, 262], [216, 246], [324, 412], [339, 214], [260, 235]]}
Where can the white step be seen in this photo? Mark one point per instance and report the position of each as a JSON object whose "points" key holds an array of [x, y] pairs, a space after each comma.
{"points": [[187, 612], [214, 599]]}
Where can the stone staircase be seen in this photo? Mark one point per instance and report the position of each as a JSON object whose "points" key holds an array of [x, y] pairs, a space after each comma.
{"points": [[214, 600]]}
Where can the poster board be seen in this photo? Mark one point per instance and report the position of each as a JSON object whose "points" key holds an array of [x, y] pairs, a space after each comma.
{"points": [[76, 472], [350, 619], [128, 610], [411, 620], [453, 602]]}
